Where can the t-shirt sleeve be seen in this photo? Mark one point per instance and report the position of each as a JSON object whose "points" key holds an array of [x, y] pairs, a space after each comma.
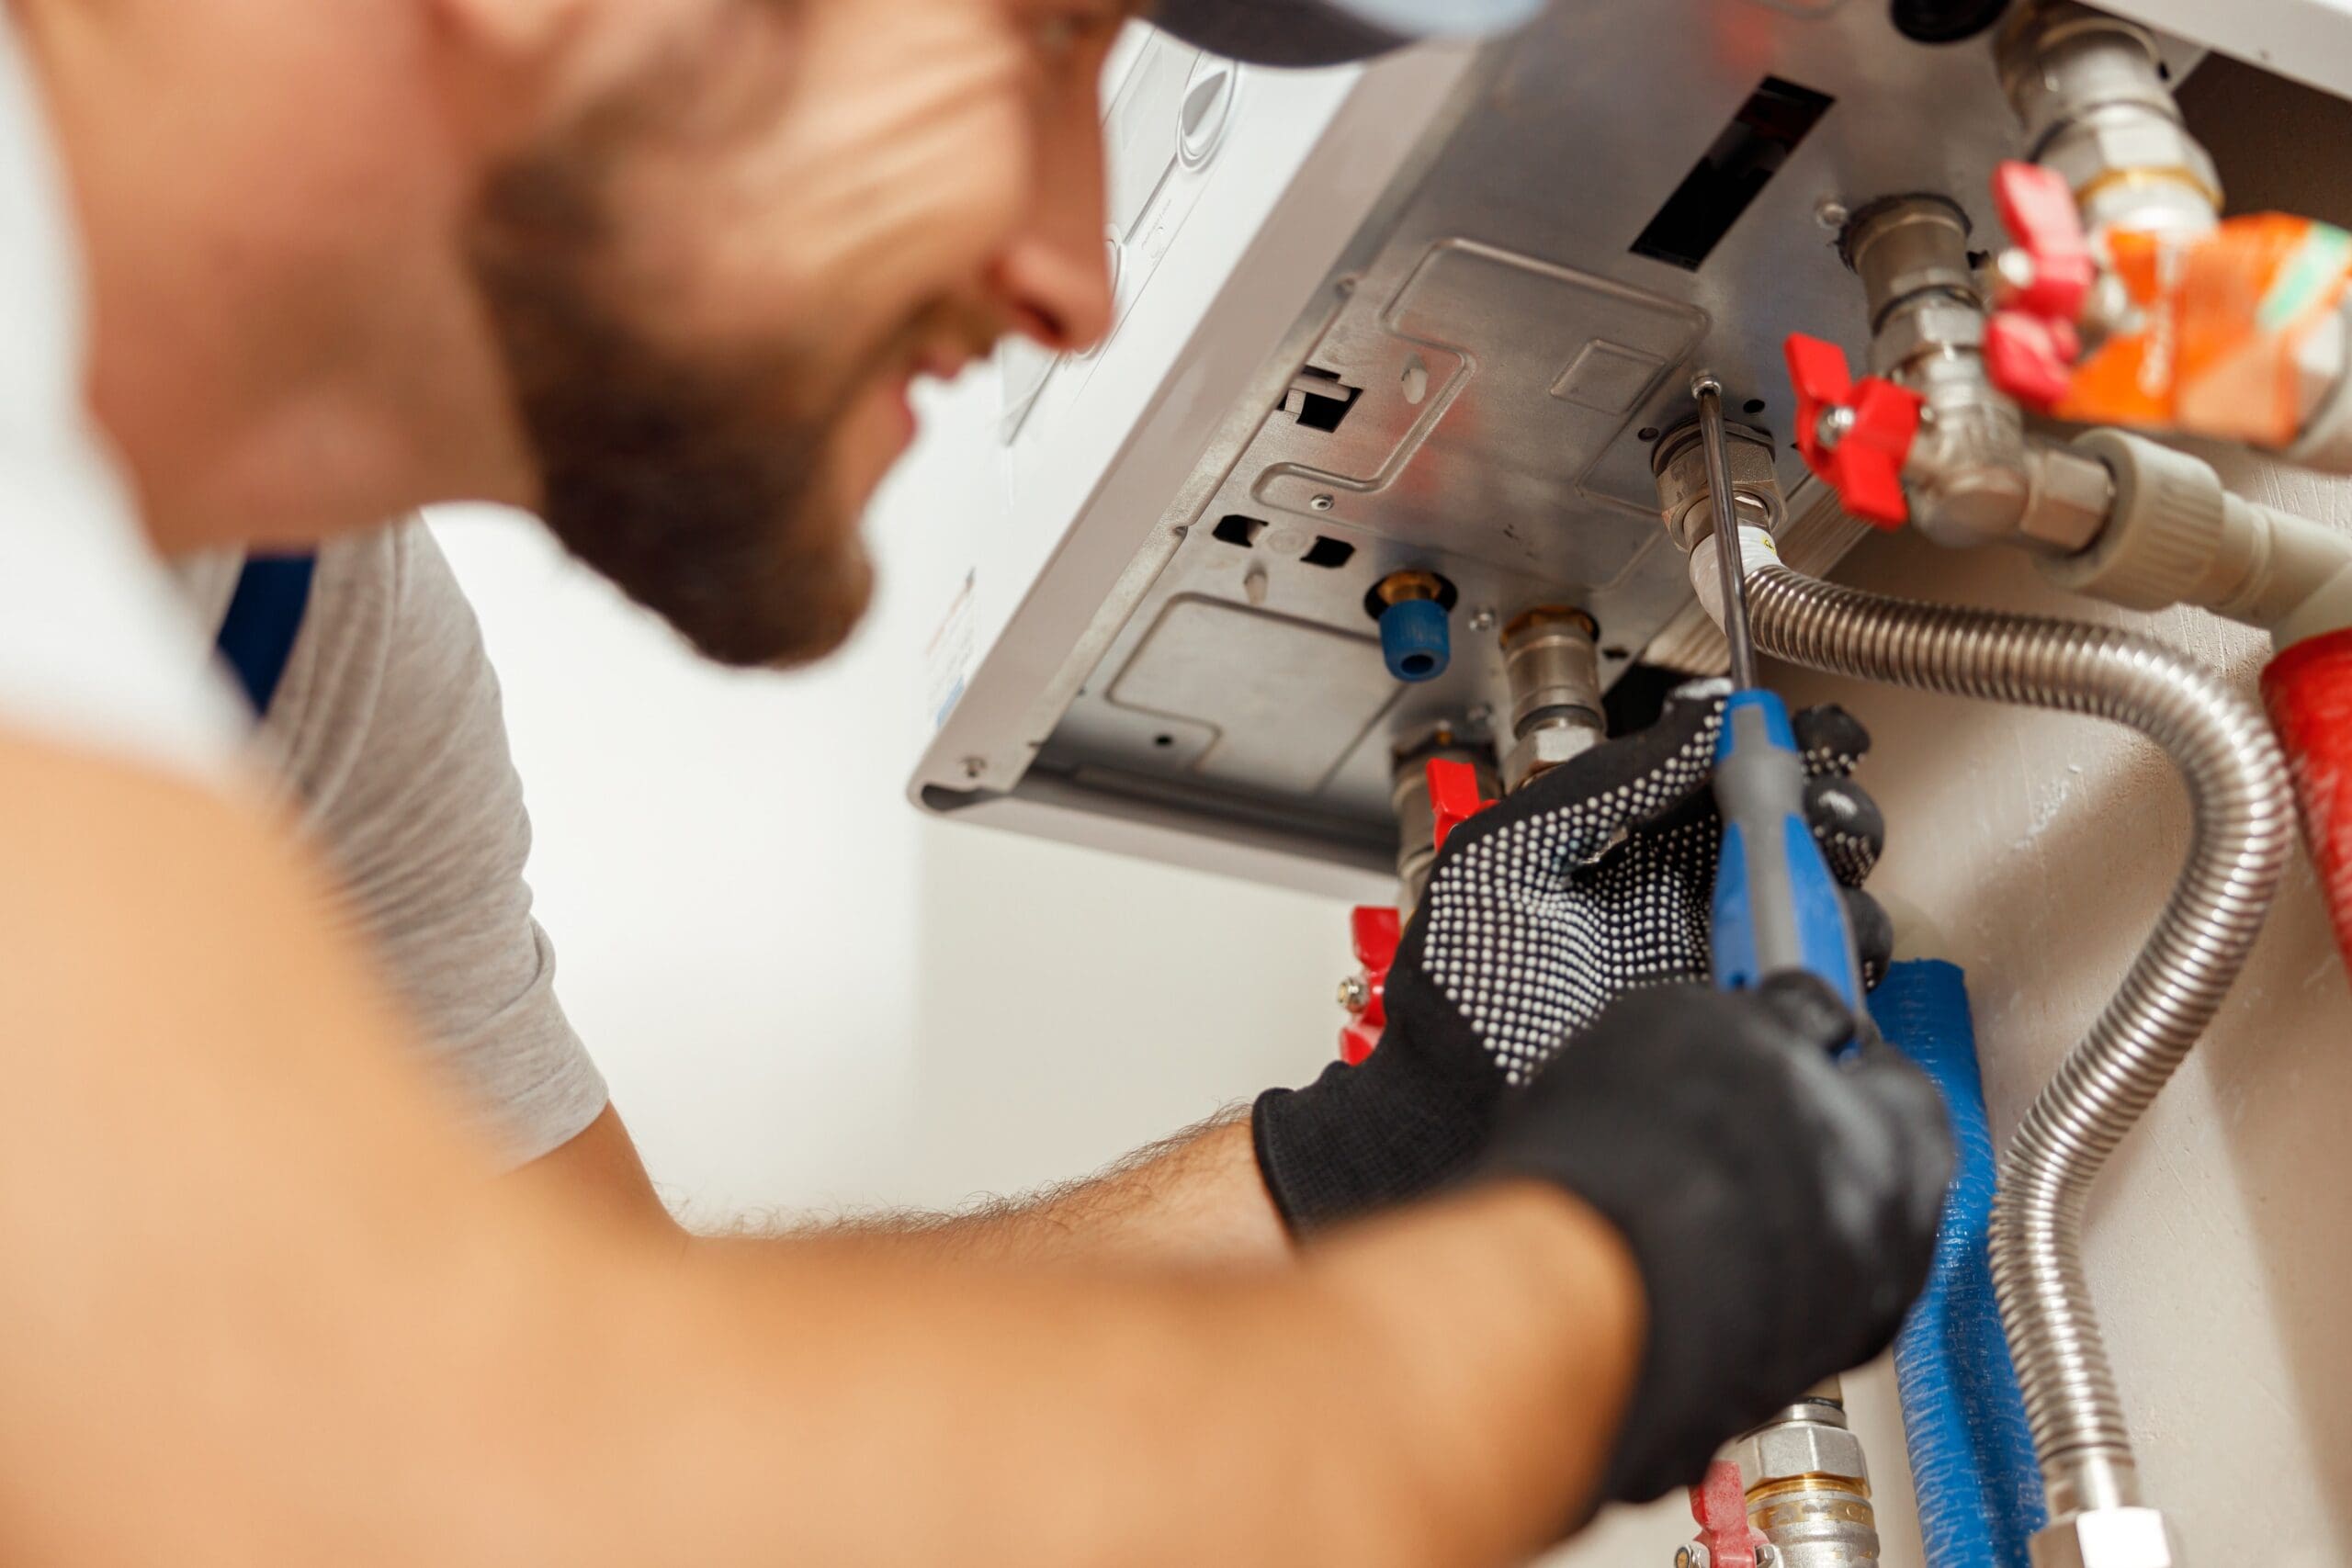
{"points": [[389, 727]]}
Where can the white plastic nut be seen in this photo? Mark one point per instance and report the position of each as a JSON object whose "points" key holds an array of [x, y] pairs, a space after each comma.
{"points": [[2164, 526]]}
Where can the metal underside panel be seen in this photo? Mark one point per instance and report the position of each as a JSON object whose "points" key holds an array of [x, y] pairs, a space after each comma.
{"points": [[1503, 353], [1506, 350]]}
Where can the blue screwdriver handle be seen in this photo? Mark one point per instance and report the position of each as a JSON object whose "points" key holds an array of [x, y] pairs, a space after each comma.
{"points": [[1776, 907]]}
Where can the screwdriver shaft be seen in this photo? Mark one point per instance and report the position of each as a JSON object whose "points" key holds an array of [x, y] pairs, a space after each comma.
{"points": [[1709, 392]]}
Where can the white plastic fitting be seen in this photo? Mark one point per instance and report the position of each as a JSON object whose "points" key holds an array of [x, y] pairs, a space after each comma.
{"points": [[2175, 536], [1756, 551]]}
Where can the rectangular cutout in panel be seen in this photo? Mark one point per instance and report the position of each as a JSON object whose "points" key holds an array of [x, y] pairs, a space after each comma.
{"points": [[1236, 529], [1318, 400], [1732, 173], [1328, 553]]}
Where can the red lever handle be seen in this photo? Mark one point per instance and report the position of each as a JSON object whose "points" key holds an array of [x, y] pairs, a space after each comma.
{"points": [[1374, 929], [2031, 357], [2032, 342], [1854, 435], [1453, 796], [1720, 1507], [2056, 271]]}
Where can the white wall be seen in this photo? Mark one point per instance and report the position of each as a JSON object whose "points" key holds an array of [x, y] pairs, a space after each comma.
{"points": [[807, 995]]}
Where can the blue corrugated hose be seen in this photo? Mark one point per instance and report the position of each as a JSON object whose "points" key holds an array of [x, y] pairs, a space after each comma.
{"points": [[1972, 1454]]}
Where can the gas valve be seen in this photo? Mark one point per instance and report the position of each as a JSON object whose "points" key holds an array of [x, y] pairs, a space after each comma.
{"points": [[1854, 435], [1374, 929], [2032, 341], [1725, 1539]]}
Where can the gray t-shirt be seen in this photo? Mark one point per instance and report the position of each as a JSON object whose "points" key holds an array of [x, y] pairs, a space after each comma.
{"points": [[386, 731]]}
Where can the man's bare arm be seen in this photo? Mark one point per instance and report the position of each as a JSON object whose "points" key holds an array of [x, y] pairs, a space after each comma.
{"points": [[1196, 1197], [260, 1286]]}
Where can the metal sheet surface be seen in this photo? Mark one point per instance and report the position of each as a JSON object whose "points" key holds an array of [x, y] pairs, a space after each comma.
{"points": [[1506, 358], [1509, 353]]}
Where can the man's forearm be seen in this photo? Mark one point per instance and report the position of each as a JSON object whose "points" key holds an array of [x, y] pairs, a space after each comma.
{"points": [[1196, 1197], [1437, 1386]]}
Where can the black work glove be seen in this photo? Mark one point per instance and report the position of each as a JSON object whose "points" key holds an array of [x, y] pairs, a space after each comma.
{"points": [[1595, 878], [1780, 1203]]}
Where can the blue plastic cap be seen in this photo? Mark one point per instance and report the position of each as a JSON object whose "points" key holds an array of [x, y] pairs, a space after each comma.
{"points": [[1413, 639]]}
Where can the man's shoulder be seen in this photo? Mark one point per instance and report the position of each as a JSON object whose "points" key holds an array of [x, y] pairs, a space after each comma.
{"points": [[95, 651]]}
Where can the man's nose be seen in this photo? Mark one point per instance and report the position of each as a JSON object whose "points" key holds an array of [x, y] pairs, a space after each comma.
{"points": [[1054, 275]]}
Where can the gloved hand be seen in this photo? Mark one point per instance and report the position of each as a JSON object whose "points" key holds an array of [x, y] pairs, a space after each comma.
{"points": [[1595, 878], [1780, 1204]]}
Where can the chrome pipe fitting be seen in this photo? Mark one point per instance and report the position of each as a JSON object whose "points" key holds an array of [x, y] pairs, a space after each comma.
{"points": [[1910, 251], [1808, 1488], [1408, 801], [2090, 90], [1686, 500], [1552, 660], [1972, 476]]}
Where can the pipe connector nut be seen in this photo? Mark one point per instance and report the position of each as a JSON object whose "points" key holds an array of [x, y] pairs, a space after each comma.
{"points": [[2163, 529], [1686, 502], [1786, 1449], [1541, 750], [2107, 1538]]}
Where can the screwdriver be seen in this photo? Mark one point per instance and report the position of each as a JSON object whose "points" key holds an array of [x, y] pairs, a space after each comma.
{"points": [[1776, 905]]}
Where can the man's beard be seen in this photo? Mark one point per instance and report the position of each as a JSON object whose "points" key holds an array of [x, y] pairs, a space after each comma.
{"points": [[690, 485]]}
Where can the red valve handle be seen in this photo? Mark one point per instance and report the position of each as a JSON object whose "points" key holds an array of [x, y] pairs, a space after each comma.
{"points": [[1862, 461], [2037, 207], [2031, 357], [1453, 796], [1720, 1505], [1374, 929], [2032, 342]]}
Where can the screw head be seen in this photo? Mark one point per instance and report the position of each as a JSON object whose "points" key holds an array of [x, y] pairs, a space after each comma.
{"points": [[1321, 504], [1835, 422], [975, 766], [1483, 621], [1355, 993], [1830, 213]]}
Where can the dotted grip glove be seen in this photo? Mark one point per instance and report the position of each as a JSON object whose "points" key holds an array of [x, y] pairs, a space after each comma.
{"points": [[1592, 880], [1779, 1202]]}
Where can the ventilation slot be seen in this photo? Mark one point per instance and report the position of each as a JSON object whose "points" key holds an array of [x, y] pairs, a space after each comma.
{"points": [[1318, 400], [1237, 529], [1734, 172]]}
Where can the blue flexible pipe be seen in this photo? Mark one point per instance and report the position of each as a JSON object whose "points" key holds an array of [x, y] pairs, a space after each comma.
{"points": [[1972, 1453]]}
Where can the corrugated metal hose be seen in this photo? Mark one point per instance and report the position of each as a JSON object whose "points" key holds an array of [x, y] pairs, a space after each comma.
{"points": [[2238, 791]]}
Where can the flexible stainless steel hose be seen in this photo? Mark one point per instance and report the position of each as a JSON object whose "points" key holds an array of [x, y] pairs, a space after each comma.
{"points": [[2243, 819]]}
